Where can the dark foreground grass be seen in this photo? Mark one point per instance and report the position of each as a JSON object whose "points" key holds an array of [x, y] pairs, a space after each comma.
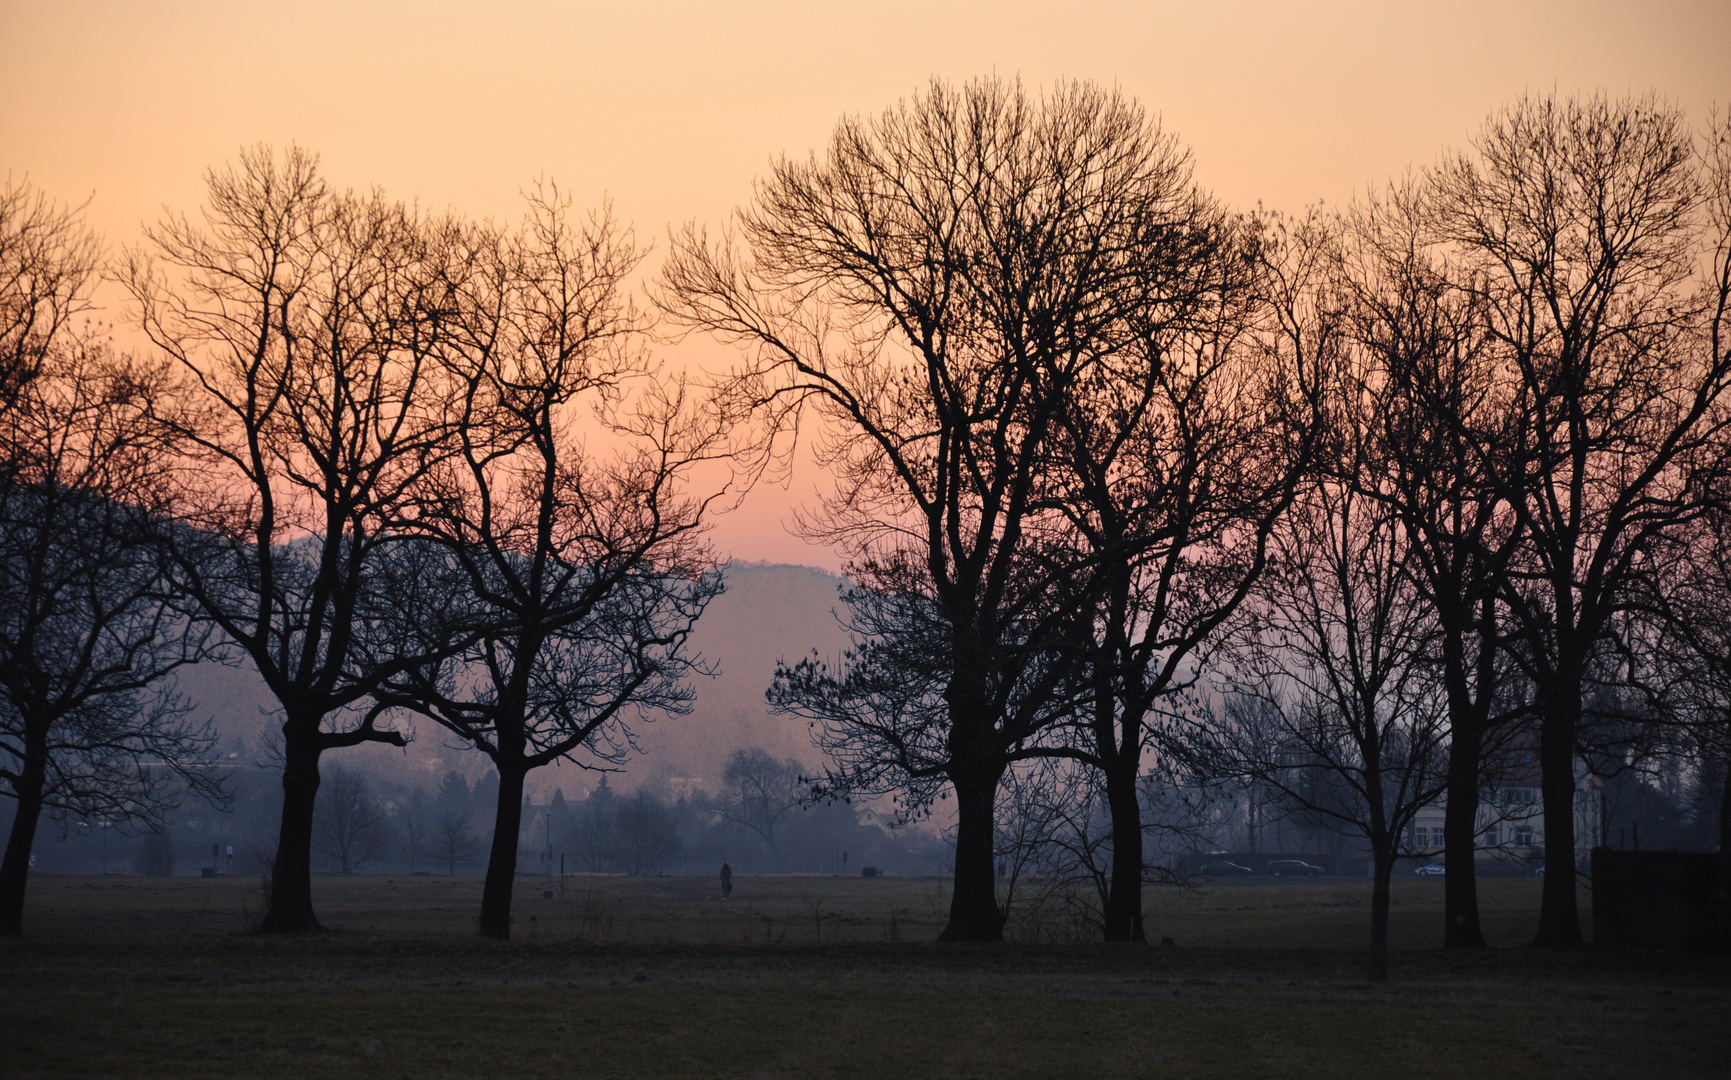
{"points": [[163, 979]]}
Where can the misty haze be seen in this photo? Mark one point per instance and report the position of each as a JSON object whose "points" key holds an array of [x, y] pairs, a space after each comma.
{"points": [[711, 543]]}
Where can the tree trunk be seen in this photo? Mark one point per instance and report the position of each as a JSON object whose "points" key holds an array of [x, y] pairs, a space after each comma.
{"points": [[502, 860], [1382, 859], [291, 884], [1461, 929], [974, 912], [1124, 898], [15, 867], [1559, 914]]}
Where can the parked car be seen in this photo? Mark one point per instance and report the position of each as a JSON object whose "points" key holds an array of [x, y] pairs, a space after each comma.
{"points": [[1434, 869], [1223, 868], [1293, 868]]}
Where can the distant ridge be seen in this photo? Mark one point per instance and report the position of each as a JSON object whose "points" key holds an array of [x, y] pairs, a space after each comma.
{"points": [[770, 612], [765, 564]]}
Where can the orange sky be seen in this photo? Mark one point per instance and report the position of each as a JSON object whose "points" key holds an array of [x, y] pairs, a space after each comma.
{"points": [[673, 108]]}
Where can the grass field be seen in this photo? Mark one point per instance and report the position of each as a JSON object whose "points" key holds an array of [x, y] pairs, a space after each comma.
{"points": [[814, 976]]}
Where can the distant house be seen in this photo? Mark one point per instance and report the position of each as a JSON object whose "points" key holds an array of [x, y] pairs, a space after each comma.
{"points": [[1511, 819], [871, 819]]}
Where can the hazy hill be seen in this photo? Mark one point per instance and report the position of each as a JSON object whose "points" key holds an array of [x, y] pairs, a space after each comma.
{"points": [[767, 613]]}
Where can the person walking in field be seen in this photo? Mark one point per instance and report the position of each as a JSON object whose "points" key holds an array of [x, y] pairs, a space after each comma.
{"points": [[726, 881]]}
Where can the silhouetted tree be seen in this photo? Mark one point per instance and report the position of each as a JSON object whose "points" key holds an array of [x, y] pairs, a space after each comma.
{"points": [[1053, 846], [758, 793], [1330, 673], [350, 828], [87, 726], [454, 842], [306, 320], [646, 834], [935, 288], [1583, 228], [592, 834], [1443, 424], [582, 571], [412, 826], [48, 261], [452, 838], [1688, 589], [1178, 458]]}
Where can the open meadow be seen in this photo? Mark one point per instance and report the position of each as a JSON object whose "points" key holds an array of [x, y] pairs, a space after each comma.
{"points": [[803, 976]]}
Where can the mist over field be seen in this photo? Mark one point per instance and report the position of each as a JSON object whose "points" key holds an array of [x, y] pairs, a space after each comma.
{"points": [[767, 613], [744, 541]]}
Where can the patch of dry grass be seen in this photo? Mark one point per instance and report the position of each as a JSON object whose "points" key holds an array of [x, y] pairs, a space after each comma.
{"points": [[782, 910], [799, 977]]}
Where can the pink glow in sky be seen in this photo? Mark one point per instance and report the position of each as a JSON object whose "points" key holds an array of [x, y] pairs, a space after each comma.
{"points": [[672, 108]]}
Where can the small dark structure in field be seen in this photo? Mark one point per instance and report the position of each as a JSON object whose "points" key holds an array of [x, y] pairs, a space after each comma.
{"points": [[1658, 900]]}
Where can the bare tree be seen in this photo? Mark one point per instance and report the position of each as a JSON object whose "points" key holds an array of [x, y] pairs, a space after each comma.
{"points": [[758, 792], [412, 826], [454, 842], [305, 318], [1053, 845], [583, 572], [1585, 230], [935, 287], [1179, 457], [1688, 589], [48, 260], [1330, 674], [593, 831], [87, 635], [1442, 423], [350, 828], [645, 832]]}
